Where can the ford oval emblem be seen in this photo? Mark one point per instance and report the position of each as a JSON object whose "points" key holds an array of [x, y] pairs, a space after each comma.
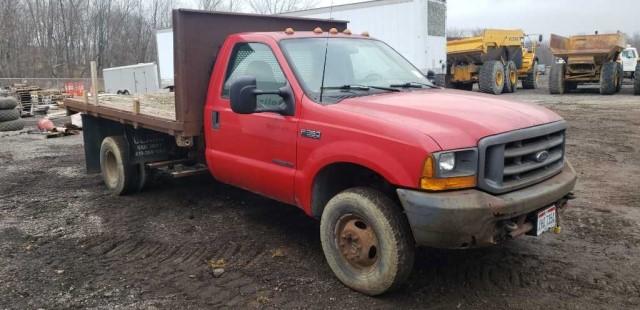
{"points": [[542, 156]]}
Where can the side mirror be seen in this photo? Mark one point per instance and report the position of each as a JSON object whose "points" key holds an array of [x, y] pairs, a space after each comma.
{"points": [[540, 38], [243, 95], [431, 75]]}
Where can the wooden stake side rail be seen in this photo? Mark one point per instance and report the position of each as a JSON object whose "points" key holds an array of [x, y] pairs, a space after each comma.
{"points": [[171, 127]]}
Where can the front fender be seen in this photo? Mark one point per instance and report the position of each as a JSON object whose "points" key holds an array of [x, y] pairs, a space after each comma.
{"points": [[400, 165]]}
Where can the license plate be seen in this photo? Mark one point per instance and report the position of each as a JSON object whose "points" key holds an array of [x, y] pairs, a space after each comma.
{"points": [[546, 220]]}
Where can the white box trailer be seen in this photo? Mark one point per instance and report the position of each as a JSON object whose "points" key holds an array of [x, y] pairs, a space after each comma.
{"points": [[135, 79], [164, 46], [414, 28]]}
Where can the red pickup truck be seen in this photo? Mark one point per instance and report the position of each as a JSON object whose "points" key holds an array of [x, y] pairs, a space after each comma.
{"points": [[345, 128]]}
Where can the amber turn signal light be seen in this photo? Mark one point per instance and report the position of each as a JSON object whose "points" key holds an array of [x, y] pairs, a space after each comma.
{"points": [[429, 182]]}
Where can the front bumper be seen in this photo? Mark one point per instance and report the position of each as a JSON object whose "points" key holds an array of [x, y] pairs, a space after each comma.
{"points": [[473, 218]]}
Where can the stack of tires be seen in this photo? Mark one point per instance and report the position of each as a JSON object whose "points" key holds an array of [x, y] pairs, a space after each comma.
{"points": [[10, 116]]}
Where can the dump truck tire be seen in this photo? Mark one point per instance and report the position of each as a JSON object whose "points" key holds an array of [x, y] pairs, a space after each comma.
{"points": [[491, 78], [511, 77], [531, 80], [609, 78], [16, 124], [7, 103], [9, 115], [620, 77], [367, 241], [636, 80], [556, 79], [119, 175]]}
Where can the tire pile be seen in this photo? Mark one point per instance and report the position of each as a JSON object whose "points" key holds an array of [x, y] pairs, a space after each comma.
{"points": [[10, 116]]}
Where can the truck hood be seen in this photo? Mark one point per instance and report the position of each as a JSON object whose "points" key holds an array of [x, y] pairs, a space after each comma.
{"points": [[454, 119]]}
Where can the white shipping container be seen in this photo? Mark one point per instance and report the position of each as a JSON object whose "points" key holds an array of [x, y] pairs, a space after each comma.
{"points": [[136, 79], [414, 28]]}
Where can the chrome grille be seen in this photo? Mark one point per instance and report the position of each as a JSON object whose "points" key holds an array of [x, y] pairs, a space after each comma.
{"points": [[520, 158]]}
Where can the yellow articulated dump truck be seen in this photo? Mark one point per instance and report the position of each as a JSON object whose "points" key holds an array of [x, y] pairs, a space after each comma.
{"points": [[585, 59], [496, 60]]}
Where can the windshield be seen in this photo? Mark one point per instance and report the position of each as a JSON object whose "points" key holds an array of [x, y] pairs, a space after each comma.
{"points": [[628, 54], [354, 67]]}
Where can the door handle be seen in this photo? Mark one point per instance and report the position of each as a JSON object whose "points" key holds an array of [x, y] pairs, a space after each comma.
{"points": [[215, 120]]}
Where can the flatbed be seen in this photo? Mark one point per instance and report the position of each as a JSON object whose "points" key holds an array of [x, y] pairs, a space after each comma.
{"points": [[194, 56]]}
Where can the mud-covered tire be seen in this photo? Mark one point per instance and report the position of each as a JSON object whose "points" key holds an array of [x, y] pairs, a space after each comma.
{"points": [[556, 79], [7, 103], [16, 124], [119, 175], [636, 80], [531, 80], [609, 78], [511, 77], [9, 115], [395, 251], [491, 77]]}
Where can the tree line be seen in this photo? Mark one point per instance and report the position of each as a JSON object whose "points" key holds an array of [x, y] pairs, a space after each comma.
{"points": [[58, 38]]}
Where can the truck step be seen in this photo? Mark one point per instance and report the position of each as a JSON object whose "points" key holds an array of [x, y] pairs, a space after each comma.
{"points": [[189, 172]]}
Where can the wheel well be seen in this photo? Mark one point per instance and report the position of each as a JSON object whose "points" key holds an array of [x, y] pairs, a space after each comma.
{"points": [[337, 177]]}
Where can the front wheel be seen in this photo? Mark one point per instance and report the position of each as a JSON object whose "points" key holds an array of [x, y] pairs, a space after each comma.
{"points": [[367, 241]]}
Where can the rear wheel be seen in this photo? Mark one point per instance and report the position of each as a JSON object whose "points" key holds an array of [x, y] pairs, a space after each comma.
{"points": [[511, 80], [531, 81], [119, 175], [609, 78], [491, 79], [367, 241], [636, 80], [556, 79]]}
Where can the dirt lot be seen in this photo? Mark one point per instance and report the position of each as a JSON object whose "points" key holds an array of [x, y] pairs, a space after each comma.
{"points": [[66, 243]]}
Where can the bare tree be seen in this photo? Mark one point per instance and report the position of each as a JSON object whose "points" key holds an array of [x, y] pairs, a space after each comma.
{"points": [[280, 6]]}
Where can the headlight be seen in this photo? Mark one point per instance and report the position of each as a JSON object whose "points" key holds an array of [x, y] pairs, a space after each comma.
{"points": [[450, 170], [447, 161]]}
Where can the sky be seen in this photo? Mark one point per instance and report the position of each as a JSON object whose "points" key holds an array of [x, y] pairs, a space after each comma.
{"points": [[564, 17]]}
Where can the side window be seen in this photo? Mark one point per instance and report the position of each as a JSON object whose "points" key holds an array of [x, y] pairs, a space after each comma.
{"points": [[257, 60]]}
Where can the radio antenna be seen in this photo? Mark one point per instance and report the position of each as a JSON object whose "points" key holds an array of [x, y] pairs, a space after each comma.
{"points": [[326, 48]]}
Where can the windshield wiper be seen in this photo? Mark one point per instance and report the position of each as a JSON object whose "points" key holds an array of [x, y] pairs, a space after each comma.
{"points": [[360, 87], [413, 85]]}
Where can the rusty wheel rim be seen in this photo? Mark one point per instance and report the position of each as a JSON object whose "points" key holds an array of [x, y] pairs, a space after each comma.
{"points": [[357, 242]]}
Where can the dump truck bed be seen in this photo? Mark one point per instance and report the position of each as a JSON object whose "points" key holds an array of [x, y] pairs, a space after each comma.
{"points": [[587, 45], [489, 46], [489, 38], [197, 37]]}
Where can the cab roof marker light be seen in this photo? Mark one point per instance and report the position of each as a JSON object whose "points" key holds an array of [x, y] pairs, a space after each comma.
{"points": [[347, 31], [317, 30], [289, 31]]}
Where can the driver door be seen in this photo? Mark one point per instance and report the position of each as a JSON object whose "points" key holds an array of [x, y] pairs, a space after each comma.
{"points": [[254, 151]]}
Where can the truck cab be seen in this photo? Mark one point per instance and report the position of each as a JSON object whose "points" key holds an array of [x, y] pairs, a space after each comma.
{"points": [[629, 60]]}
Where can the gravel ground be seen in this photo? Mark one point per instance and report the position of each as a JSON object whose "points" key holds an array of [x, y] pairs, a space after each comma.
{"points": [[66, 243]]}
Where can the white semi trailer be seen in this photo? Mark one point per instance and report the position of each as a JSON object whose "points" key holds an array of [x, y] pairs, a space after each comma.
{"points": [[415, 28]]}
